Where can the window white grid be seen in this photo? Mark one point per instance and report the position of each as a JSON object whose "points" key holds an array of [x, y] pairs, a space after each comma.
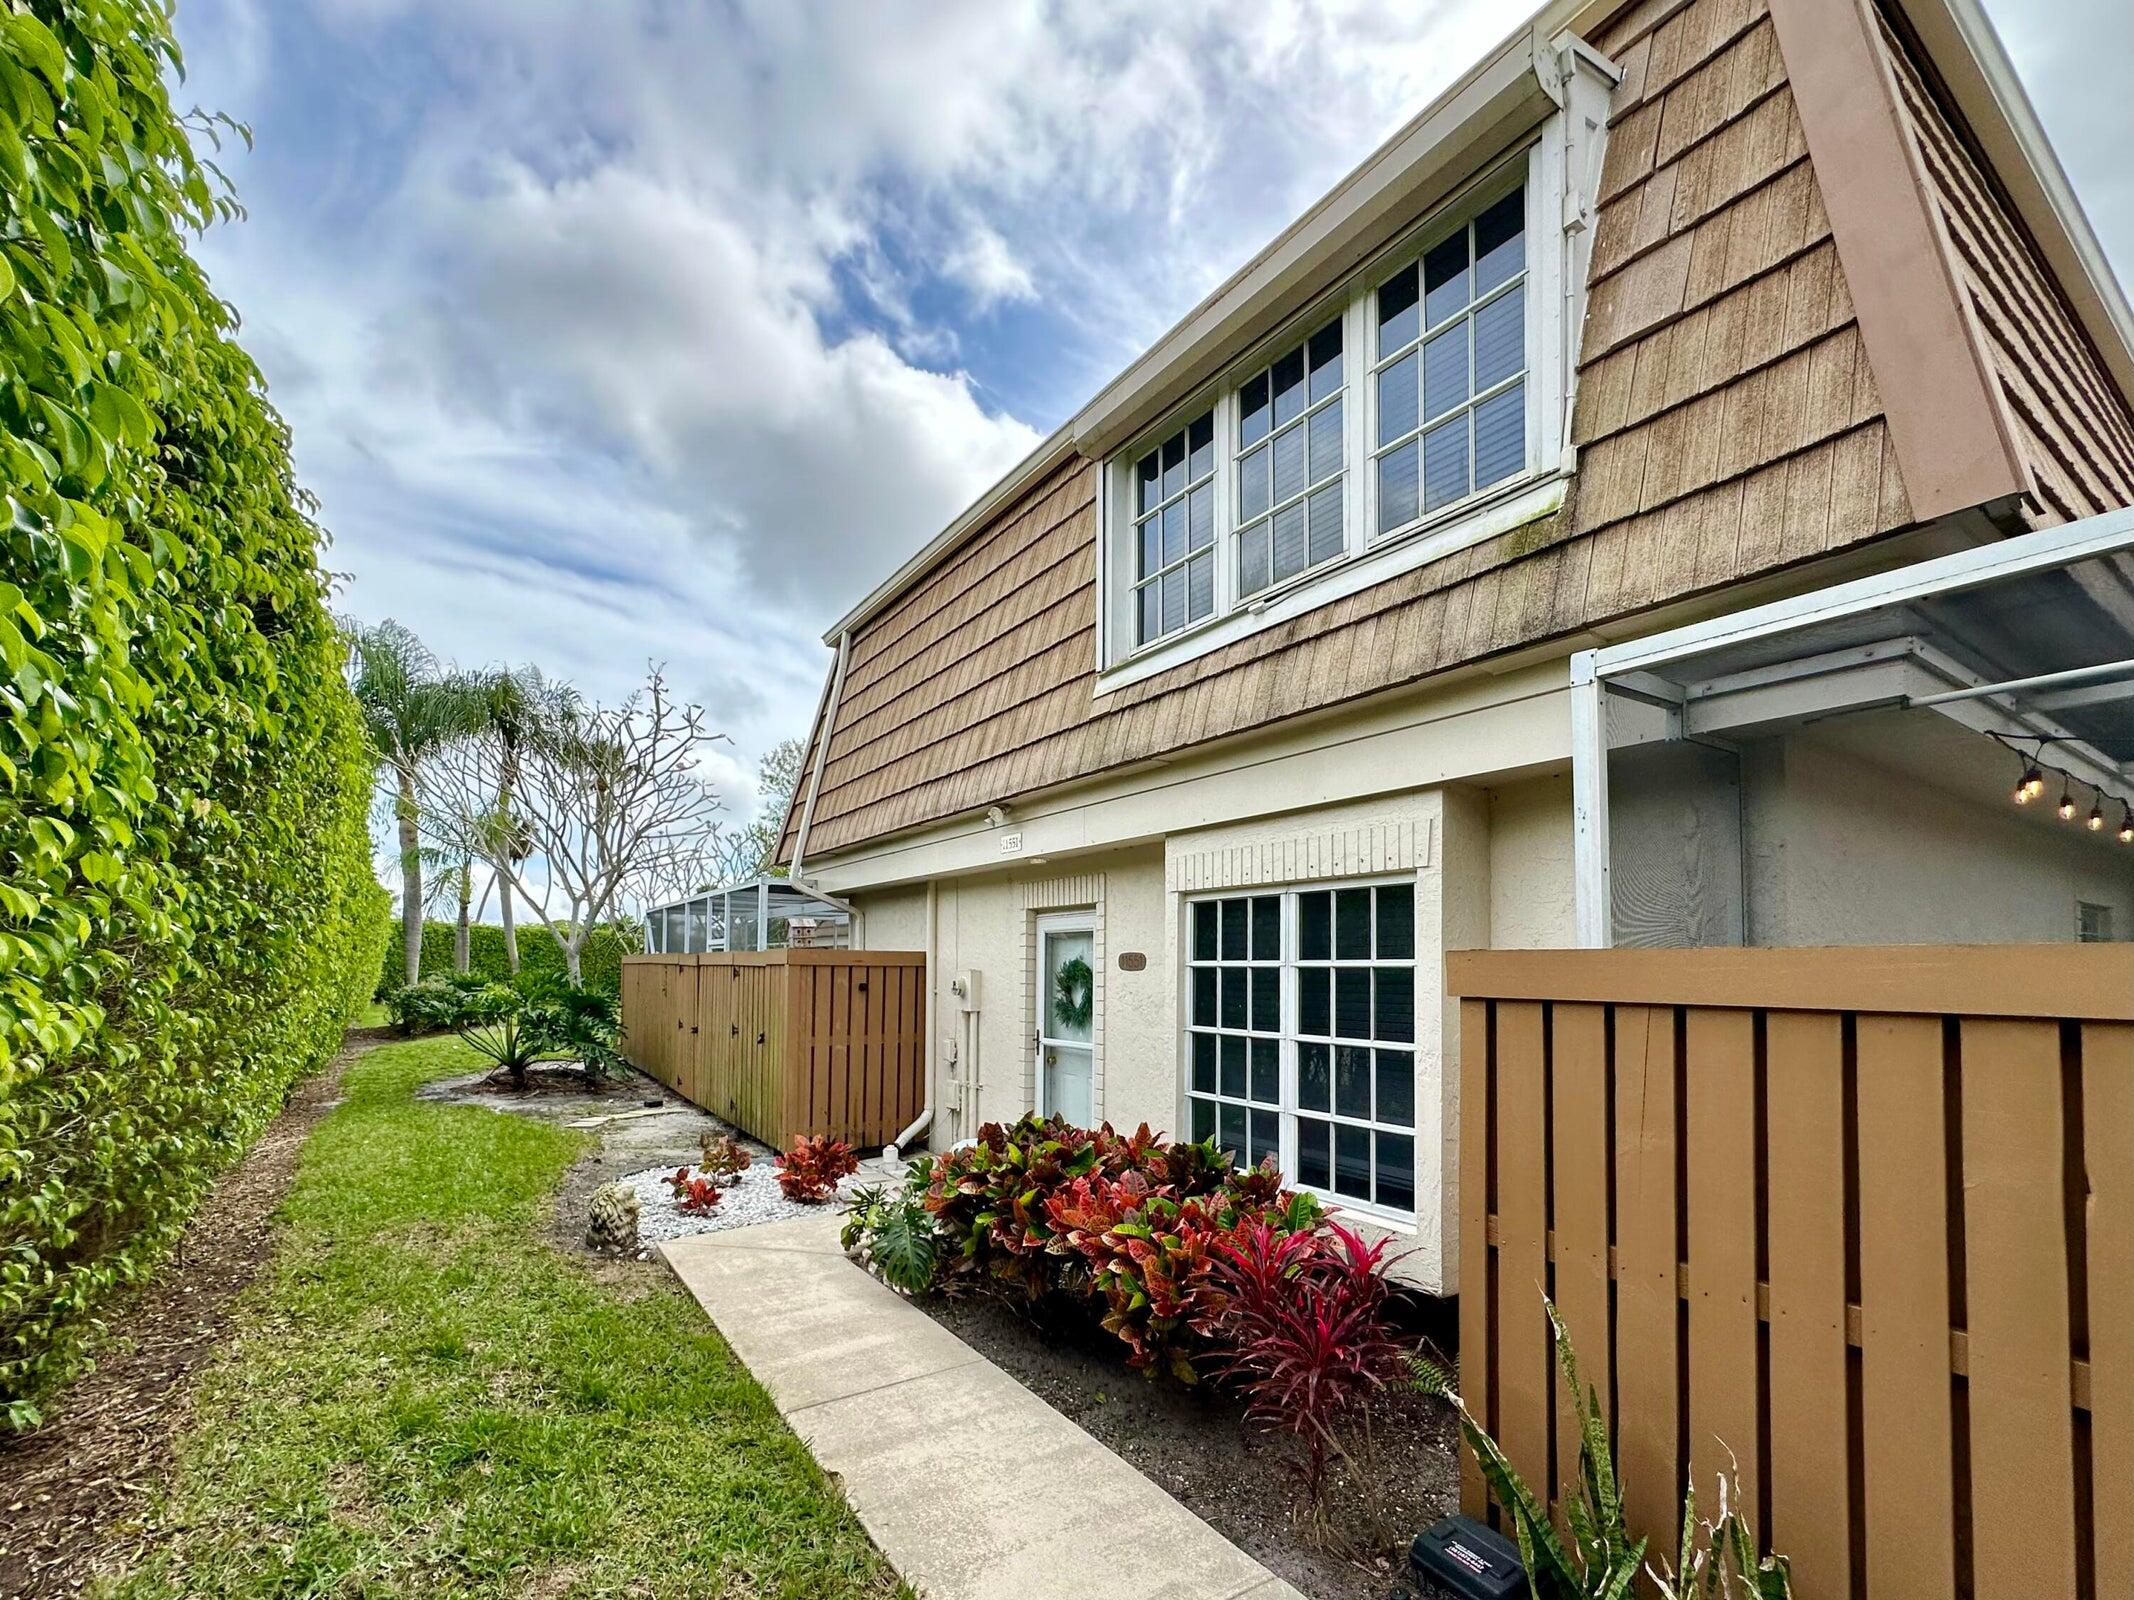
{"points": [[1292, 454], [1174, 530], [1507, 409], [1314, 989], [1452, 349]]}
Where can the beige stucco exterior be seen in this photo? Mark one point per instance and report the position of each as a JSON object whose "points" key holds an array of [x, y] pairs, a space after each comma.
{"points": [[1885, 829]]}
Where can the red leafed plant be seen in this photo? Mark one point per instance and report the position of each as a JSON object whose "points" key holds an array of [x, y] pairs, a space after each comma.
{"points": [[811, 1166], [694, 1193], [1305, 1325]]}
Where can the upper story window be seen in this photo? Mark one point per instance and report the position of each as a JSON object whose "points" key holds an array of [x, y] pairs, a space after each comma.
{"points": [[1290, 462], [1417, 407], [1174, 530], [1450, 376]]}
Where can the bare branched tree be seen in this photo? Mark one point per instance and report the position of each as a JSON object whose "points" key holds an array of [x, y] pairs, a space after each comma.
{"points": [[583, 809]]}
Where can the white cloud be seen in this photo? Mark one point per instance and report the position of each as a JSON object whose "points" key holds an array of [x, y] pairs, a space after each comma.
{"points": [[612, 333]]}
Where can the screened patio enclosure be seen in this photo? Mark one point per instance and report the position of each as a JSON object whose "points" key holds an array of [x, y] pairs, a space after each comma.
{"points": [[759, 914], [1914, 756]]}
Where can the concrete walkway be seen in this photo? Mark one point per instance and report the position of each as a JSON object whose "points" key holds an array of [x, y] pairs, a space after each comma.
{"points": [[973, 1487]]}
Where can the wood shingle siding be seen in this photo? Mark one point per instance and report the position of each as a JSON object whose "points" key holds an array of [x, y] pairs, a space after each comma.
{"points": [[1728, 422], [2068, 414]]}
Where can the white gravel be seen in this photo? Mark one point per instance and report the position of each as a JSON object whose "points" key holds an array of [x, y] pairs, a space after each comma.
{"points": [[755, 1198]]}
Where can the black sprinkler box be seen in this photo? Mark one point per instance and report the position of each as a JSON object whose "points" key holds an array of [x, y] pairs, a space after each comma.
{"points": [[1463, 1557]]}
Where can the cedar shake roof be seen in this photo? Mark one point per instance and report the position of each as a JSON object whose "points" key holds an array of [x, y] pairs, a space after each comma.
{"points": [[1745, 403]]}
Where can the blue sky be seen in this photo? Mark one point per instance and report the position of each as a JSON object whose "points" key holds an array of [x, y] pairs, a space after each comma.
{"points": [[622, 330]]}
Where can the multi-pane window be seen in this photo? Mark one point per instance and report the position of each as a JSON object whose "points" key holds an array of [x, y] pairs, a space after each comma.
{"points": [[1289, 464], [1450, 368], [1355, 1033], [1235, 1034], [1301, 1035], [1174, 530]]}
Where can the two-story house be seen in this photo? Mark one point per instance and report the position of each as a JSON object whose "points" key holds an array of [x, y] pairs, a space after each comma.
{"points": [[1187, 750]]}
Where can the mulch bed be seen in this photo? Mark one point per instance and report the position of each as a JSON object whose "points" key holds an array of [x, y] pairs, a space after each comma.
{"points": [[67, 1489], [1195, 1444]]}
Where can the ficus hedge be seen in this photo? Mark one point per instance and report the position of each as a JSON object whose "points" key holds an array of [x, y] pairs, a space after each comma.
{"points": [[600, 963], [188, 915]]}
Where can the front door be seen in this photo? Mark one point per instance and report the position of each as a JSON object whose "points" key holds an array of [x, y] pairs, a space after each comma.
{"points": [[1066, 1012]]}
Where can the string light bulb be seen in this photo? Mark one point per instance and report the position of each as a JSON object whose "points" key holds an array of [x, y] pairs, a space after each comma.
{"points": [[2067, 806], [2126, 823], [2096, 816], [2033, 782]]}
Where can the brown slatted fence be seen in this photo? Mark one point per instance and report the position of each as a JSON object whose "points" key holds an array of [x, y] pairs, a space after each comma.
{"points": [[1855, 1225], [785, 1042]]}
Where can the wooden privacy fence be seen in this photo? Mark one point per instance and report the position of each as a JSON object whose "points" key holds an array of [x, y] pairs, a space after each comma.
{"points": [[1854, 1223], [785, 1042]]}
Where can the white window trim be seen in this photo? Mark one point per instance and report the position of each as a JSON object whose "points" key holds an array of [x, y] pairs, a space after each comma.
{"points": [[1559, 167], [1286, 1107]]}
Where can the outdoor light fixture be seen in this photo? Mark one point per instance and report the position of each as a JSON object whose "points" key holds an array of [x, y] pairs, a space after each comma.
{"points": [[2029, 786], [2126, 823], [2096, 816], [2067, 806]]}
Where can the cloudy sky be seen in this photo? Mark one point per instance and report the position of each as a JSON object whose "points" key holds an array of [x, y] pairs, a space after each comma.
{"points": [[614, 330]]}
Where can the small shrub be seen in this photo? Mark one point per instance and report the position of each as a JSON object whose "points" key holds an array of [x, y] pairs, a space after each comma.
{"points": [[1715, 1560], [892, 1233], [424, 1007], [812, 1165], [1304, 1321], [694, 1193], [577, 1023], [724, 1157]]}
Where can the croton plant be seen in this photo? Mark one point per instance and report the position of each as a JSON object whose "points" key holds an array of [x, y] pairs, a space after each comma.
{"points": [[1131, 1220]]}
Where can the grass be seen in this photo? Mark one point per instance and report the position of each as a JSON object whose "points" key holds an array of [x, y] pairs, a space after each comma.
{"points": [[373, 1015], [426, 1399]]}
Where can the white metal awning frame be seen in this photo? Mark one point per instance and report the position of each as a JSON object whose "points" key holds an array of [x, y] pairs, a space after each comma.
{"points": [[1651, 688]]}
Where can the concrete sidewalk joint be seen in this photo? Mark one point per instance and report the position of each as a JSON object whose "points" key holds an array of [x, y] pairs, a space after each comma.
{"points": [[936, 1447]]}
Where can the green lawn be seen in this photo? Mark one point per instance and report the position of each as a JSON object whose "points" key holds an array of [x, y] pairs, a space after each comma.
{"points": [[425, 1399], [374, 1015]]}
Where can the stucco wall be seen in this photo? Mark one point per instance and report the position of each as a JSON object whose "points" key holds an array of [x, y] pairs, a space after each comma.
{"points": [[1843, 850], [1530, 882]]}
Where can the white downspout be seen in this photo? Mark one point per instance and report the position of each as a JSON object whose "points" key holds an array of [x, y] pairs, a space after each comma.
{"points": [[894, 1150]]}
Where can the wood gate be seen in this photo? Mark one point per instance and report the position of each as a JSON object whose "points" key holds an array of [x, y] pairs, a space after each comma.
{"points": [[1855, 1223]]}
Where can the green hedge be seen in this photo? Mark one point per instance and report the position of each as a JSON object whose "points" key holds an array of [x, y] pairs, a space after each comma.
{"points": [[540, 957], [188, 916]]}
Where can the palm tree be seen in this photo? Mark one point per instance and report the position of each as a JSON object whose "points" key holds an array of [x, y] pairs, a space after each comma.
{"points": [[512, 702], [412, 708]]}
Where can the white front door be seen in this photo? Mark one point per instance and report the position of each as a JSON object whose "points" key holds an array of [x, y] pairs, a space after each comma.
{"points": [[1066, 1014]]}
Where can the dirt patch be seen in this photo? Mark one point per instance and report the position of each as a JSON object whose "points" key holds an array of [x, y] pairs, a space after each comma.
{"points": [[1195, 1444], [65, 1488]]}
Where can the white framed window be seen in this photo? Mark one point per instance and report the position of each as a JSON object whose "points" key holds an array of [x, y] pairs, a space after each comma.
{"points": [[1416, 407], [1292, 455], [1448, 381], [1300, 1036], [1174, 531]]}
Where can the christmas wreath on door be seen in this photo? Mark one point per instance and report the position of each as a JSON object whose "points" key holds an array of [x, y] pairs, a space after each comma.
{"points": [[1073, 993]]}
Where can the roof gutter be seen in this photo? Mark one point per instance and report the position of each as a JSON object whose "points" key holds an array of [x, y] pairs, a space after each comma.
{"points": [[828, 726]]}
